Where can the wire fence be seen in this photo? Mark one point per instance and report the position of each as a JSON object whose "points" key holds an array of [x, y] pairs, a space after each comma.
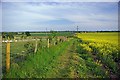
{"points": [[20, 49]]}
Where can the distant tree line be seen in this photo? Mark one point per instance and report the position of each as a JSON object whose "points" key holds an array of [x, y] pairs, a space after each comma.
{"points": [[9, 34], [12, 34]]}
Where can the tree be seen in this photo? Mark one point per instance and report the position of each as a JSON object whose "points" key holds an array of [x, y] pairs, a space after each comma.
{"points": [[53, 33], [27, 33], [8, 34]]}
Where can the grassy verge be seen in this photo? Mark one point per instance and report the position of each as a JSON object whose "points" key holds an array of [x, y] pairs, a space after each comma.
{"points": [[37, 64]]}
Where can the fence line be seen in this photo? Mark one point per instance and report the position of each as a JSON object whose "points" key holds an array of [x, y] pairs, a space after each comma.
{"points": [[35, 46], [8, 44], [48, 43]]}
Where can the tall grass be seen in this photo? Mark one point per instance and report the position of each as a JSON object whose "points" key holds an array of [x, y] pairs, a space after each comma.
{"points": [[36, 65]]}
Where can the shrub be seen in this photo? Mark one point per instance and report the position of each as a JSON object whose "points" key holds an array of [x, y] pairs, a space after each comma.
{"points": [[29, 47]]}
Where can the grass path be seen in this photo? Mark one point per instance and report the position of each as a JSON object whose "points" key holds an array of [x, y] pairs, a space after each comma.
{"points": [[73, 65], [66, 64], [62, 62]]}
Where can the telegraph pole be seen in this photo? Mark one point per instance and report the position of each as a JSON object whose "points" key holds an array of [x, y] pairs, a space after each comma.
{"points": [[46, 32], [77, 28]]}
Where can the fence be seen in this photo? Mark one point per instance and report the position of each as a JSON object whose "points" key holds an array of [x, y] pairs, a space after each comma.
{"points": [[16, 51]]}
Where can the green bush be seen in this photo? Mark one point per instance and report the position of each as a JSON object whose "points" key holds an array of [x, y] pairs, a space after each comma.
{"points": [[29, 47]]}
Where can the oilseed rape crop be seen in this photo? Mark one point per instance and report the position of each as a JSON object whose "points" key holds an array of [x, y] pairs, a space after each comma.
{"points": [[104, 47]]}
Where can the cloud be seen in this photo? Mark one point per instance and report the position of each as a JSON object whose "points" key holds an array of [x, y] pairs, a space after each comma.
{"points": [[60, 0], [0, 17], [60, 15]]}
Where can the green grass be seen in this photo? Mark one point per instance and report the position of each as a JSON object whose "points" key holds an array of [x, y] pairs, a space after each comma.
{"points": [[68, 59], [50, 34], [16, 47], [37, 64], [71, 64], [49, 63]]}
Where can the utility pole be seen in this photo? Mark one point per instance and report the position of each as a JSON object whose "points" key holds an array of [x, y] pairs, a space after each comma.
{"points": [[46, 32], [77, 28]]}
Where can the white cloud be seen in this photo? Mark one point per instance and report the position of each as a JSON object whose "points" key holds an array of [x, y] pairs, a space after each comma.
{"points": [[36, 15], [0, 17]]}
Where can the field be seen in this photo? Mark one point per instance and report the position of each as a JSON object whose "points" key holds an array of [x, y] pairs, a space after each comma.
{"points": [[101, 37], [69, 55], [50, 34]]}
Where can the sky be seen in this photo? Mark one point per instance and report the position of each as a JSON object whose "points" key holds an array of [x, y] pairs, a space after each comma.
{"points": [[60, 0], [59, 16]]}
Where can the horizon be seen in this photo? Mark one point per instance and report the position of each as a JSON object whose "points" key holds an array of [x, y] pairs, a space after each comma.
{"points": [[61, 31]]}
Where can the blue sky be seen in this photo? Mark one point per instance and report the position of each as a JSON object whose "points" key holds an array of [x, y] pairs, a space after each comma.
{"points": [[37, 16]]}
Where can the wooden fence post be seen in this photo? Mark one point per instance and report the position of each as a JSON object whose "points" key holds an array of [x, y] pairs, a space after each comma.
{"points": [[35, 46], [48, 43], [7, 56]]}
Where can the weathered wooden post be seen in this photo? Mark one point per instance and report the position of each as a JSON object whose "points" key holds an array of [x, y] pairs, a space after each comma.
{"points": [[8, 56], [54, 42], [35, 46], [48, 43]]}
